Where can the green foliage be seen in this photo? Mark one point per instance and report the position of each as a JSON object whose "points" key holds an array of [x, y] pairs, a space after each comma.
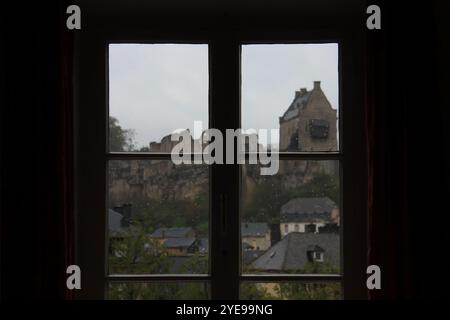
{"points": [[309, 291], [159, 291], [196, 264], [254, 291], [120, 139], [269, 196], [296, 290], [134, 253], [154, 214]]}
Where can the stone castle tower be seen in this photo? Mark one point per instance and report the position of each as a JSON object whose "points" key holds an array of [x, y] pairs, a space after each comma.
{"points": [[310, 122]]}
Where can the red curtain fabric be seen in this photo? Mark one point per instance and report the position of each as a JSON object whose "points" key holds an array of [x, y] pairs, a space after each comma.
{"points": [[66, 147], [408, 208]]}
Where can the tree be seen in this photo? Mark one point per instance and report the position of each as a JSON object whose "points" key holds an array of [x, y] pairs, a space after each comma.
{"points": [[268, 196], [255, 291], [120, 139], [311, 291], [133, 252]]}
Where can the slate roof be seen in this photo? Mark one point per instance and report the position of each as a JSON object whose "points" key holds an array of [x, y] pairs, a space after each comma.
{"points": [[249, 256], [299, 102], [203, 245], [114, 221], [254, 229], [307, 209], [172, 232], [291, 252], [179, 242]]}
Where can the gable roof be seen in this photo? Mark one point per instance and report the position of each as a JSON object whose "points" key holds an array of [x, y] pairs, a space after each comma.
{"points": [[254, 229], [179, 242], [300, 101], [203, 245], [250, 255], [172, 232], [114, 221], [307, 209], [291, 253]]}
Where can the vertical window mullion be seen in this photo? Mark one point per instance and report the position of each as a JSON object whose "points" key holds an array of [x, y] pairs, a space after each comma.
{"points": [[224, 99]]}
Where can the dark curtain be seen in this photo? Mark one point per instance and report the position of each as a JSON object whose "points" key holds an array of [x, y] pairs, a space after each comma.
{"points": [[407, 140], [36, 151]]}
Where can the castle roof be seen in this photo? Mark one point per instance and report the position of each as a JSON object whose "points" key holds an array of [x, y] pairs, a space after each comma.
{"points": [[300, 101]]}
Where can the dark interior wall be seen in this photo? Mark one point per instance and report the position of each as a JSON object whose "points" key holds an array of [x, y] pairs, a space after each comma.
{"points": [[31, 221], [414, 139]]}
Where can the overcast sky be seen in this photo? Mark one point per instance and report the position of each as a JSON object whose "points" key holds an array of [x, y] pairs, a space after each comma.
{"points": [[157, 88]]}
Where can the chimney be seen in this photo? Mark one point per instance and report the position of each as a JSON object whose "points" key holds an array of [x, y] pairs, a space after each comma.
{"points": [[316, 85], [300, 93], [275, 233], [329, 228]]}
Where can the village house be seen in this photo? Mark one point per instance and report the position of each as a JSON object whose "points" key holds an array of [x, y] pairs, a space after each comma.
{"points": [[256, 235], [163, 234], [307, 215]]}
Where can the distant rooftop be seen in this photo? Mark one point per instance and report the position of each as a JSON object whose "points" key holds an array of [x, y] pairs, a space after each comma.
{"points": [[300, 101], [172, 232], [291, 253], [254, 229], [307, 209], [179, 242], [114, 221]]}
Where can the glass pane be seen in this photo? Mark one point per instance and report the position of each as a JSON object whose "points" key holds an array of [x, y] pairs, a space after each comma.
{"points": [[158, 217], [291, 220], [293, 88], [290, 291], [159, 291], [155, 89]]}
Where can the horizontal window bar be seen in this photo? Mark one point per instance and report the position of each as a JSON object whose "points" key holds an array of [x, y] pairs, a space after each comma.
{"points": [[157, 277], [281, 155], [290, 277], [139, 156], [302, 155]]}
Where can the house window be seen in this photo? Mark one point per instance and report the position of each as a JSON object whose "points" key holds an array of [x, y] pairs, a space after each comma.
{"points": [[184, 232], [318, 256]]}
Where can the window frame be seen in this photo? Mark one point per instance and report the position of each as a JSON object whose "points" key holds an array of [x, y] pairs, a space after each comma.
{"points": [[224, 91]]}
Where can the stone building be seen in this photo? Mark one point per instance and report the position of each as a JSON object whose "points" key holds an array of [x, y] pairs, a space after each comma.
{"points": [[308, 215], [256, 235], [310, 122]]}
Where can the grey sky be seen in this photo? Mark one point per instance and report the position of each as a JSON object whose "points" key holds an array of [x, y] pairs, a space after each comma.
{"points": [[157, 88]]}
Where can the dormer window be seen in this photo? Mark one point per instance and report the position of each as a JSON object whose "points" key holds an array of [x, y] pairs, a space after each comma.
{"points": [[315, 254], [318, 256]]}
